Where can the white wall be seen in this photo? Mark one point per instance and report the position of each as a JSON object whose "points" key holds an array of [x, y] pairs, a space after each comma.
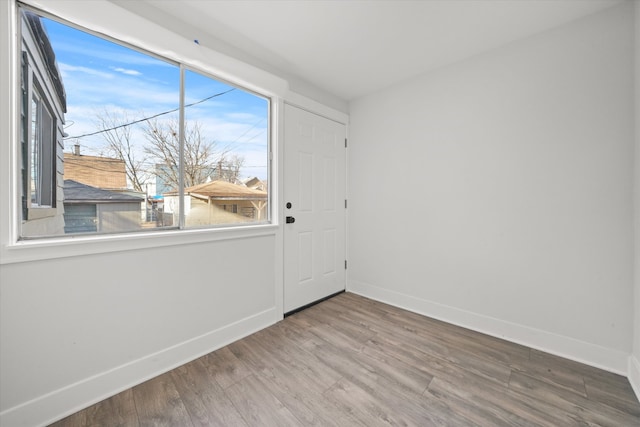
{"points": [[634, 360], [496, 193]]}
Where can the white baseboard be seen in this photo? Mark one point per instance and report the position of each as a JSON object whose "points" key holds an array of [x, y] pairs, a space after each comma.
{"points": [[594, 355], [634, 375], [65, 401]]}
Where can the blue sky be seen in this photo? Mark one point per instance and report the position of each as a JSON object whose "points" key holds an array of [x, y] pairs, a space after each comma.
{"points": [[99, 75]]}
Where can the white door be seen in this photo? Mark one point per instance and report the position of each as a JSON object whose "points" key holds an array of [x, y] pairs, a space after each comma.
{"points": [[314, 202]]}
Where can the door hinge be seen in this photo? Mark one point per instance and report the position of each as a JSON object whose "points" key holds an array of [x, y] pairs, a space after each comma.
{"points": [[345, 203], [345, 143], [345, 264]]}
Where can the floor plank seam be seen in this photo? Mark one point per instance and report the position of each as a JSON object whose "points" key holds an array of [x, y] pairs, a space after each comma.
{"points": [[427, 387], [509, 380], [586, 391]]}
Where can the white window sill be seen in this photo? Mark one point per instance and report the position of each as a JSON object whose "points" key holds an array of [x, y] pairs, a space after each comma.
{"points": [[50, 248], [41, 212]]}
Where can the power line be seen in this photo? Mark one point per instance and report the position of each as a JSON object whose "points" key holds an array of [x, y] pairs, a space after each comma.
{"points": [[150, 117], [230, 145], [255, 136]]}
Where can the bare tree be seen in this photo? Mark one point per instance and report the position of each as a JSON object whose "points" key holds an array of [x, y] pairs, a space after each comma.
{"points": [[163, 149], [120, 145], [156, 152], [228, 167], [202, 162]]}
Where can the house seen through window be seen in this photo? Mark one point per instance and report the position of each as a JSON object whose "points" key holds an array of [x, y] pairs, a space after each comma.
{"points": [[107, 145]]}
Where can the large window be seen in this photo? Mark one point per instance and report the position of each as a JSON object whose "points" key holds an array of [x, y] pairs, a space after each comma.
{"points": [[114, 139]]}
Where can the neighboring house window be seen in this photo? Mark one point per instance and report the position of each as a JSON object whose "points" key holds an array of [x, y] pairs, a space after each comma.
{"points": [[231, 208], [116, 134], [38, 138], [80, 218], [41, 153]]}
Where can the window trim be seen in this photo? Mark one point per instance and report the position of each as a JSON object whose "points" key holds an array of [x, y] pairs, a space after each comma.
{"points": [[13, 249], [71, 246], [35, 92]]}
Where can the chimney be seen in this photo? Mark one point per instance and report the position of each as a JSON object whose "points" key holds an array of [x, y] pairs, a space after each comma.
{"points": [[76, 149]]}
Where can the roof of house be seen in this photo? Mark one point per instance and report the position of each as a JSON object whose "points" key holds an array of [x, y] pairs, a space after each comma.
{"points": [[48, 55], [255, 183], [101, 172], [76, 192], [223, 190], [252, 182]]}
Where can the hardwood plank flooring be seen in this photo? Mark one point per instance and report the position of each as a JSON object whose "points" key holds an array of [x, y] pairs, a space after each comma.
{"points": [[351, 361]]}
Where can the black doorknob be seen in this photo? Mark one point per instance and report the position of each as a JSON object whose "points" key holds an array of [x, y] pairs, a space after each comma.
{"points": [[290, 220]]}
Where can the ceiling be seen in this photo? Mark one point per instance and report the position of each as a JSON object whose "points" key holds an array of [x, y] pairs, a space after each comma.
{"points": [[353, 48]]}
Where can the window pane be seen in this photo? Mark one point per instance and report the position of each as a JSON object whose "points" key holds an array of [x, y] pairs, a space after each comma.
{"points": [[109, 93], [226, 153], [35, 150], [47, 145]]}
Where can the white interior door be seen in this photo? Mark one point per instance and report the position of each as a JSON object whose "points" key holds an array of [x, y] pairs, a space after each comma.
{"points": [[314, 197]]}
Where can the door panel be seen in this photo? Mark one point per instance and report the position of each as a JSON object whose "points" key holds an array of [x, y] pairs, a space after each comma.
{"points": [[314, 184]]}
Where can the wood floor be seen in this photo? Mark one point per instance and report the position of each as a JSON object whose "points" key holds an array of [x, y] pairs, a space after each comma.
{"points": [[350, 361]]}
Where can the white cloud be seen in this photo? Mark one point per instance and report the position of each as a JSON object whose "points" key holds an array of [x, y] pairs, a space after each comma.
{"points": [[68, 68], [241, 116], [127, 71]]}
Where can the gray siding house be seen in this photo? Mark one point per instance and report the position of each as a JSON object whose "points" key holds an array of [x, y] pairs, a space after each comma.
{"points": [[89, 209]]}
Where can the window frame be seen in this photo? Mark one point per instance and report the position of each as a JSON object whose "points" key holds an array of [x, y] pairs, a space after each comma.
{"points": [[16, 249], [44, 151], [35, 135]]}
